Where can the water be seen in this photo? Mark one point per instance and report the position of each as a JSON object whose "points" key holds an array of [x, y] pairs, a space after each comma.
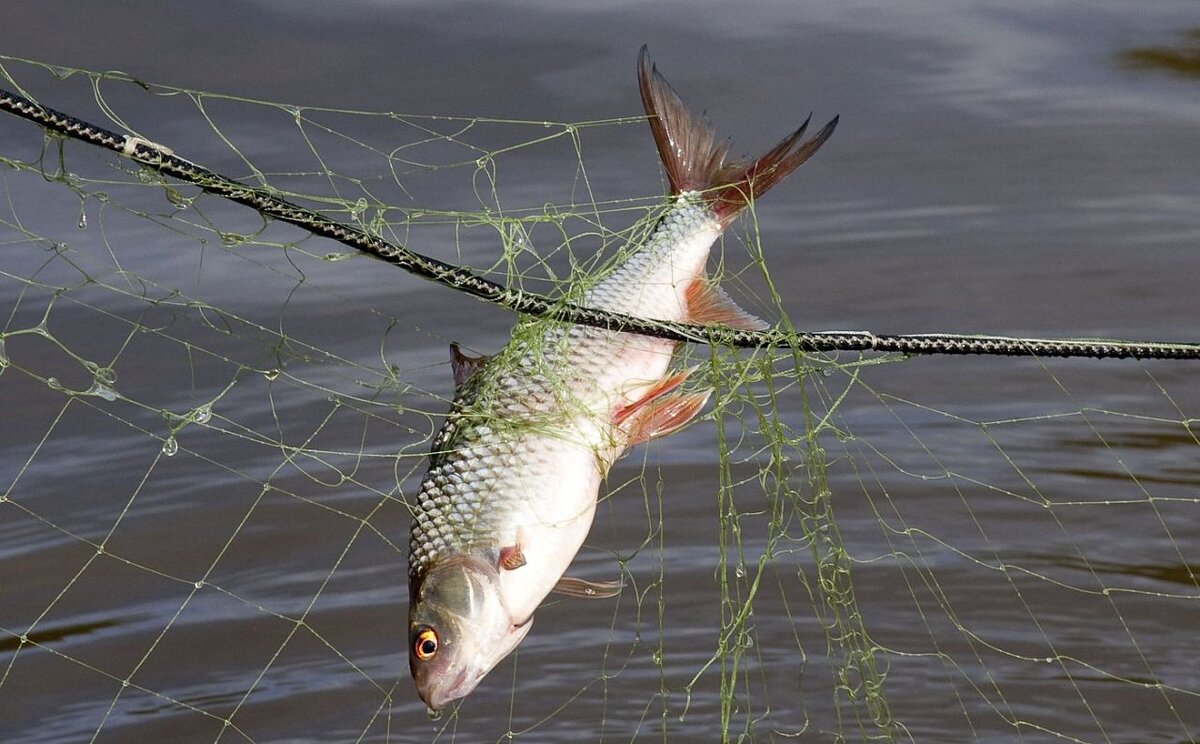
{"points": [[997, 169]]}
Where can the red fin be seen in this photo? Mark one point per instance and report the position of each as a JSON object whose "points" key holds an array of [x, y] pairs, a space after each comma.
{"points": [[657, 390], [695, 160], [663, 415], [574, 587], [511, 557], [689, 150], [465, 365], [708, 303]]}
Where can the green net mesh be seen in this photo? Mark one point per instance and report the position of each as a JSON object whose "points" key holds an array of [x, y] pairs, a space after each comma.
{"points": [[213, 423]]}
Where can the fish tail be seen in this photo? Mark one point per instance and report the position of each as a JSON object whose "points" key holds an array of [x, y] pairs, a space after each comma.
{"points": [[695, 160]]}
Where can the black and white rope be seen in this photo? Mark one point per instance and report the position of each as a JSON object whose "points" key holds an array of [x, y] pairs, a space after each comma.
{"points": [[166, 162]]}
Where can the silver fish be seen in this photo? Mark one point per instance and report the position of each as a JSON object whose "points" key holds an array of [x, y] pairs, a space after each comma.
{"points": [[515, 470]]}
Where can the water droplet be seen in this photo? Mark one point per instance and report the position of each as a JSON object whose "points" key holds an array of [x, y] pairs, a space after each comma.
{"points": [[170, 446], [202, 414], [827, 371], [657, 657], [3, 354], [271, 374], [83, 220], [434, 715], [102, 391], [199, 584], [53, 383], [740, 571]]}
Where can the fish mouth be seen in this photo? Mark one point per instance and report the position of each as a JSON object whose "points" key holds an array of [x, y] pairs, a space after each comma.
{"points": [[466, 679], [459, 686]]}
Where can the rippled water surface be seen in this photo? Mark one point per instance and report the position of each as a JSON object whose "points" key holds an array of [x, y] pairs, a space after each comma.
{"points": [[1019, 535]]}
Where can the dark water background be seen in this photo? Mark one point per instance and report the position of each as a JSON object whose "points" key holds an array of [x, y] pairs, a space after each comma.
{"points": [[998, 168]]}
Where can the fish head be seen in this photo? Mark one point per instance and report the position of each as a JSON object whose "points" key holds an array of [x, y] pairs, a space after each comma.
{"points": [[458, 628]]}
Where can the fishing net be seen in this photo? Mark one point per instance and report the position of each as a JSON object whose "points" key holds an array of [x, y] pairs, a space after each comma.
{"points": [[214, 424]]}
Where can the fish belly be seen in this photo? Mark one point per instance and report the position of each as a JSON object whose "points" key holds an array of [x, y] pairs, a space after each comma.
{"points": [[557, 504]]}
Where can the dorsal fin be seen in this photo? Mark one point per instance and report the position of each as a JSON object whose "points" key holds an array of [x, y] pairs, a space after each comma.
{"points": [[464, 365], [695, 160]]}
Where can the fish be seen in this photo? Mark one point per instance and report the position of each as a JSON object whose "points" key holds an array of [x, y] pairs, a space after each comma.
{"points": [[515, 470]]}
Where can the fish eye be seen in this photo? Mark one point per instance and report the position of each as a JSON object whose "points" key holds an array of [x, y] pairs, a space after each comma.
{"points": [[426, 644]]}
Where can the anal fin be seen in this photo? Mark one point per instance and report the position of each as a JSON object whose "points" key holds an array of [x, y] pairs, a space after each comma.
{"points": [[585, 589], [708, 303]]}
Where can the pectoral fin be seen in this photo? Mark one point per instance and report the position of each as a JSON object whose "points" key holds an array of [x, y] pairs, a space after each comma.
{"points": [[511, 556], [585, 589]]}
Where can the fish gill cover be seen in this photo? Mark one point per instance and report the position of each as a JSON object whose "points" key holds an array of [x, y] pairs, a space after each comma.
{"points": [[215, 425]]}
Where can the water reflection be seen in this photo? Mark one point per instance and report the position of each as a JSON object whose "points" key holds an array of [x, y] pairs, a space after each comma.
{"points": [[1181, 60], [51, 635], [1183, 574]]}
